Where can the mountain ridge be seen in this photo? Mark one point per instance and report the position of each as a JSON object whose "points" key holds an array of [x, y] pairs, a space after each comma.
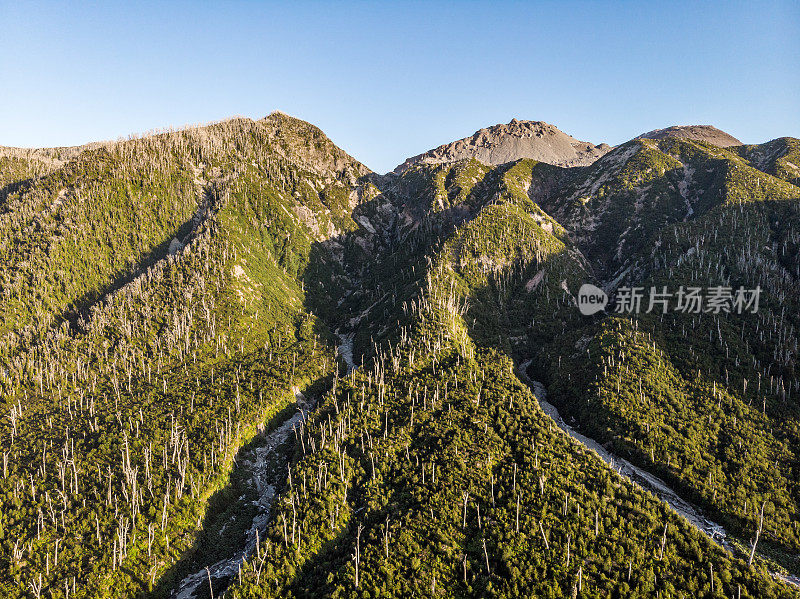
{"points": [[427, 466], [707, 133]]}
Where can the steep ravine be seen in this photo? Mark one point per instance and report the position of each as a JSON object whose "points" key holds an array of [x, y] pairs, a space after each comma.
{"points": [[645, 480], [265, 466]]}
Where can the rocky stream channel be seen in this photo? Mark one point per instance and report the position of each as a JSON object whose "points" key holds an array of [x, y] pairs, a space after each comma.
{"points": [[265, 465], [692, 513]]}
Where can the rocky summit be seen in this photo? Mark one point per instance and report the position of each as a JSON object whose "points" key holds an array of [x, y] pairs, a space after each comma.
{"points": [[500, 144]]}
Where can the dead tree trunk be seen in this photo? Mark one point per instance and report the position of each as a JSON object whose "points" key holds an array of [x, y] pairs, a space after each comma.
{"points": [[758, 534]]}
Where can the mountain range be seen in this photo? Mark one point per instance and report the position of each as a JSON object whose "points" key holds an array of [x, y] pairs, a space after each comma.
{"points": [[235, 360]]}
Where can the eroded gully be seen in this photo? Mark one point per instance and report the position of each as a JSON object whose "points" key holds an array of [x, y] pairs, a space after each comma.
{"points": [[645, 480], [266, 467]]}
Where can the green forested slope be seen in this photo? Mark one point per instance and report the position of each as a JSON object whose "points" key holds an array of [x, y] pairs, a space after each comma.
{"points": [[709, 401], [435, 473], [123, 416], [164, 299]]}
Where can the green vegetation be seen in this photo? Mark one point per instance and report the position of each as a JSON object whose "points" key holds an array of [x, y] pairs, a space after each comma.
{"points": [[129, 408], [164, 300]]}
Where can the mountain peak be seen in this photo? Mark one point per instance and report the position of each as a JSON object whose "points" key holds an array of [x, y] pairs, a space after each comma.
{"points": [[307, 143], [503, 143], [706, 133]]}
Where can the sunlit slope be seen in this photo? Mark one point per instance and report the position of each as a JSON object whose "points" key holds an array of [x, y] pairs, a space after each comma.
{"points": [[709, 400], [130, 407], [74, 233]]}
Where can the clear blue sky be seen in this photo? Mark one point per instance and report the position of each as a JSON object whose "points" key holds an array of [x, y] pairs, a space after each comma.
{"points": [[391, 80]]}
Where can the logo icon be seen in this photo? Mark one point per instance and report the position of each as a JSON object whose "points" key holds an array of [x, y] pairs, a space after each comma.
{"points": [[591, 299]]}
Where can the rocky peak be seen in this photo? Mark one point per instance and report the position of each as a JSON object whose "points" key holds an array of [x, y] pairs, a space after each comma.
{"points": [[508, 142]]}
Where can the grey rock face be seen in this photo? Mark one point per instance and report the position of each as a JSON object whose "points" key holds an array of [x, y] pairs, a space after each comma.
{"points": [[518, 139]]}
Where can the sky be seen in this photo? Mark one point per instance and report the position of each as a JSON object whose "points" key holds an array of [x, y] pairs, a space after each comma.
{"points": [[390, 80]]}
